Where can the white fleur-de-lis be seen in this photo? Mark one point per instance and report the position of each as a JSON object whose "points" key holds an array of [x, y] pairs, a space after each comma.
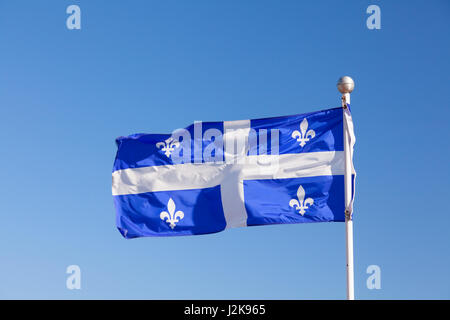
{"points": [[301, 204], [171, 217], [304, 134], [168, 146]]}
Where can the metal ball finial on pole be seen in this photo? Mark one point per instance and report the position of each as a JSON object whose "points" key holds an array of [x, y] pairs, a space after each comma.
{"points": [[345, 86]]}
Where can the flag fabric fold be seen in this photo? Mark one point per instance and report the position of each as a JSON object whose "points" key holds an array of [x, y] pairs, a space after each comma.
{"points": [[212, 176]]}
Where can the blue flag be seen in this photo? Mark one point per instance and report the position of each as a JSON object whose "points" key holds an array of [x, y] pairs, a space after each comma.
{"points": [[212, 176]]}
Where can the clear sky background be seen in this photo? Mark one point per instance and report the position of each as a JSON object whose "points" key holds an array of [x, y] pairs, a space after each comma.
{"points": [[154, 66]]}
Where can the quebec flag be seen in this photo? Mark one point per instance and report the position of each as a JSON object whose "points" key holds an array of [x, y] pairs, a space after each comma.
{"points": [[212, 176]]}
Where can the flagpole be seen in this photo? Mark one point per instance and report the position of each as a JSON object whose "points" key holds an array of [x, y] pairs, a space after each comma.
{"points": [[345, 86]]}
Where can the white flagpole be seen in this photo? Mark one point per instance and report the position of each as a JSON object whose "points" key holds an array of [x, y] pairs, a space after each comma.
{"points": [[345, 86]]}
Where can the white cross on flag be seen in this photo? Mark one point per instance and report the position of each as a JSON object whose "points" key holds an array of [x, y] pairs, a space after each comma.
{"points": [[216, 175]]}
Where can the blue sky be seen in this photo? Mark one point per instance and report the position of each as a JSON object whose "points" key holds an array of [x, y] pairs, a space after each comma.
{"points": [[154, 66]]}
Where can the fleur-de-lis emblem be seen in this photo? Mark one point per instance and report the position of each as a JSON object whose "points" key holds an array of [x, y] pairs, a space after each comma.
{"points": [[304, 134], [301, 205], [168, 146], [171, 217]]}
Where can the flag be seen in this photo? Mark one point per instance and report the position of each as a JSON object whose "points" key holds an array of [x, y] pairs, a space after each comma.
{"points": [[211, 176]]}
